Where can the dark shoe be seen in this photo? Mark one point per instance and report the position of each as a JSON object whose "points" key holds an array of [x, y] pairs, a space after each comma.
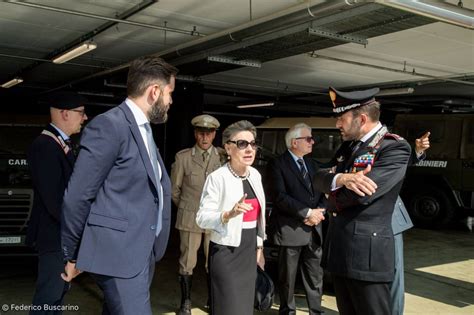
{"points": [[186, 283]]}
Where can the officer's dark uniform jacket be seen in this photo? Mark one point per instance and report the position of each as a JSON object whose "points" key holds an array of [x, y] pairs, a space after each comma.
{"points": [[359, 244], [50, 168]]}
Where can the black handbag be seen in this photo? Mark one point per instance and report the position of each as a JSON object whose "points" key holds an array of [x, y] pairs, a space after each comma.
{"points": [[264, 291]]}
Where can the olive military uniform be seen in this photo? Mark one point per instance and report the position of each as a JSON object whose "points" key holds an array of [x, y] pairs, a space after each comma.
{"points": [[188, 175]]}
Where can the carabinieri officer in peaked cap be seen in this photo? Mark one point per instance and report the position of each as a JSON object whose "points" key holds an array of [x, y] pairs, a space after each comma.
{"points": [[51, 161], [369, 168]]}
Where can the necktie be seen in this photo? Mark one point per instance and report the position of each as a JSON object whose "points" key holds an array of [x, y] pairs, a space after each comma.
{"points": [[304, 173], [355, 145], [68, 143], [70, 152], [205, 154], [157, 171]]}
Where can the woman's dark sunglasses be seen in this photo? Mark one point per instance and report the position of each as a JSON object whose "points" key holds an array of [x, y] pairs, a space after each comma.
{"points": [[243, 144], [308, 138]]}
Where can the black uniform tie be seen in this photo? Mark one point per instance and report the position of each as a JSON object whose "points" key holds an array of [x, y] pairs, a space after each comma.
{"points": [[70, 152], [355, 145]]}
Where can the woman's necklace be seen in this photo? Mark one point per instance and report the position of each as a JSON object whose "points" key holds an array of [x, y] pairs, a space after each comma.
{"points": [[235, 174]]}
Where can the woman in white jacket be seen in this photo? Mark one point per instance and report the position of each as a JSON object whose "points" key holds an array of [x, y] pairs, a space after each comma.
{"points": [[233, 208]]}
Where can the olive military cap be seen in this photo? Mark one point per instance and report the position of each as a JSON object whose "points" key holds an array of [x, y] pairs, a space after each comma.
{"points": [[205, 123]]}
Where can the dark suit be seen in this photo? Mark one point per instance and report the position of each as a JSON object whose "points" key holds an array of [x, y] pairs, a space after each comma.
{"points": [[359, 248], [50, 170], [110, 211], [292, 199]]}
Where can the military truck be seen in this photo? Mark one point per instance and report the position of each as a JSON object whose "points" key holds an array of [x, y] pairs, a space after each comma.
{"points": [[16, 193], [440, 189]]}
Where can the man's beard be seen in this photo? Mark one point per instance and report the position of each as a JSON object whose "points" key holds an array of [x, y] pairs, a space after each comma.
{"points": [[354, 131], [158, 113]]}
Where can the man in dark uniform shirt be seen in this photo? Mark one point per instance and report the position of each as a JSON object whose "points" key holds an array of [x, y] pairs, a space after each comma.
{"points": [[371, 165], [51, 161]]}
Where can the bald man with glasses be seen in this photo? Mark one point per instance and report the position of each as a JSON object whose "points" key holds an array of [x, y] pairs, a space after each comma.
{"points": [[298, 210], [51, 160]]}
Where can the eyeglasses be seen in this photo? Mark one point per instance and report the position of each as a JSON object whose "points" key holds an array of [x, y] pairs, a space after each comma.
{"points": [[81, 112], [308, 138], [243, 144]]}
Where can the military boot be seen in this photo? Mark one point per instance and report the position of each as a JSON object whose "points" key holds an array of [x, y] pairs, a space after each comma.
{"points": [[185, 282], [208, 303]]}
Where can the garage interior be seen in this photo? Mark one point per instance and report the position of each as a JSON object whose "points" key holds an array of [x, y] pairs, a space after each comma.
{"points": [[252, 59]]}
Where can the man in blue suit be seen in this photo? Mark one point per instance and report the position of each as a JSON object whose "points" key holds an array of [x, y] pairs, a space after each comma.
{"points": [[400, 223], [116, 210]]}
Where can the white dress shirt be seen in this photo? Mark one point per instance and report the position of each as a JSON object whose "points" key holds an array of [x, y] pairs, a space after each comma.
{"points": [[141, 120]]}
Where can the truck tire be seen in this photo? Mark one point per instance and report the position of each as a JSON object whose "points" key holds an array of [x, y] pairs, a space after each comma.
{"points": [[431, 208]]}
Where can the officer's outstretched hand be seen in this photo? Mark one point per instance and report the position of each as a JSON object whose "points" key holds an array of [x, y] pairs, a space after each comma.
{"points": [[358, 182], [422, 144]]}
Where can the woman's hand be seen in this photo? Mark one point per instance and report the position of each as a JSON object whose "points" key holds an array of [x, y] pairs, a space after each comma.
{"points": [[239, 207], [260, 258]]}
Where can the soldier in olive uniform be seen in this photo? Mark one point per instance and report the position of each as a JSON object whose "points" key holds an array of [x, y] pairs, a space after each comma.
{"points": [[188, 174]]}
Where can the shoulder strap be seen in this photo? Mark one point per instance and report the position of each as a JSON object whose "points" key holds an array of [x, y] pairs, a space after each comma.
{"points": [[58, 139]]}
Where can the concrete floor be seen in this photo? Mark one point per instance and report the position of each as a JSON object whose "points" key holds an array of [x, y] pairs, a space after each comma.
{"points": [[439, 279]]}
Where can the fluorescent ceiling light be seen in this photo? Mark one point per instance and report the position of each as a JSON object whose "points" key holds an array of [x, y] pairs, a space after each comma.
{"points": [[256, 105], [75, 52], [397, 91], [11, 83], [438, 10]]}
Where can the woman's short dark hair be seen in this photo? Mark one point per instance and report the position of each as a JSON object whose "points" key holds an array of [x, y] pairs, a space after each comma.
{"points": [[148, 70], [241, 125]]}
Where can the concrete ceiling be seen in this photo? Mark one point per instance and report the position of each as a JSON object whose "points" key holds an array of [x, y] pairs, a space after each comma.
{"points": [[403, 50]]}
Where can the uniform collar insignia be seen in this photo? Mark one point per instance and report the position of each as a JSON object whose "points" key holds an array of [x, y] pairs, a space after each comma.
{"points": [[379, 135]]}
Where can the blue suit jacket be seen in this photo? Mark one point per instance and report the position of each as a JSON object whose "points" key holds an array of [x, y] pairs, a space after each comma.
{"points": [[110, 207], [401, 219]]}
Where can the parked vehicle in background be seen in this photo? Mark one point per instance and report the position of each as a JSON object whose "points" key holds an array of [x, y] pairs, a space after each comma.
{"points": [[16, 192], [440, 189]]}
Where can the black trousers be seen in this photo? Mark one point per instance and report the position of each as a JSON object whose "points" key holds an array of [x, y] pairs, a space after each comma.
{"points": [[356, 297], [50, 287], [308, 258]]}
